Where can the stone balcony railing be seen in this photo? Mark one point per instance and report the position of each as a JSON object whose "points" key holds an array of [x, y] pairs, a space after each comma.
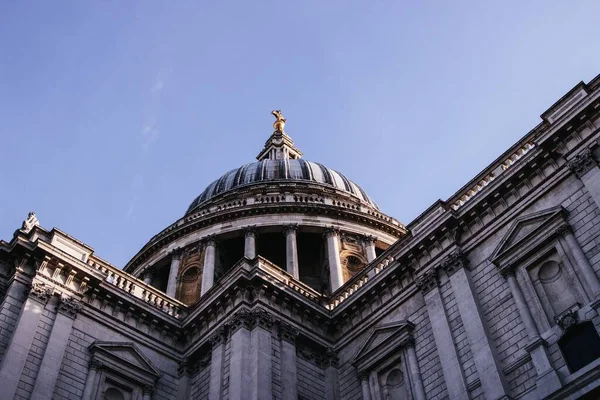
{"points": [[139, 289], [274, 273], [357, 281]]}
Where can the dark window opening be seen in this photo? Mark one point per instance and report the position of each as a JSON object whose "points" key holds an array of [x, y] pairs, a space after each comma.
{"points": [[580, 346], [311, 257], [229, 252], [378, 251], [272, 247]]}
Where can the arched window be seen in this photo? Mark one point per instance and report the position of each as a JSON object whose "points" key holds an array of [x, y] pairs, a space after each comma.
{"points": [[580, 345], [189, 285]]}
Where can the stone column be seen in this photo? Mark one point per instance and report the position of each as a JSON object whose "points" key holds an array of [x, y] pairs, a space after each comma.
{"points": [[217, 342], [67, 310], [90, 381], [547, 380], [208, 271], [451, 368], [336, 277], [585, 166], [147, 392], [18, 349], [149, 275], [250, 242], [289, 369], [415, 371], [291, 251], [364, 384], [369, 242], [582, 264], [174, 272], [486, 360], [10, 309]]}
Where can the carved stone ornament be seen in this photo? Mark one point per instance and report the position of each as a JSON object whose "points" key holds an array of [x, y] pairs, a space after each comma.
{"points": [[567, 319], [68, 306], [218, 337], [204, 361], [288, 333], [582, 163], [363, 376], [290, 228], [508, 271], [41, 292], [177, 253], [564, 230], [455, 261], [210, 240], [428, 281], [329, 359], [263, 319], [95, 365], [241, 319], [183, 368], [368, 239], [250, 230], [148, 390], [331, 231]]}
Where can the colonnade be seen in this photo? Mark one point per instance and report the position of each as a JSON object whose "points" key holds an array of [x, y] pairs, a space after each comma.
{"points": [[332, 238]]}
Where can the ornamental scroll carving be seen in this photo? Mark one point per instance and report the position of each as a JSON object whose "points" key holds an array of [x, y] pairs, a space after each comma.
{"points": [[455, 261], [68, 306], [567, 319], [250, 320], [582, 162], [40, 291], [428, 281], [288, 333]]}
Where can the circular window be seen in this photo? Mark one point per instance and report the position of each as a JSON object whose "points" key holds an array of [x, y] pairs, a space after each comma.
{"points": [[549, 272], [354, 263]]}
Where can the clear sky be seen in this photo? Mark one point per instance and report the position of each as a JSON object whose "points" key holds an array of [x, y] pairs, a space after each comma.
{"points": [[114, 115]]}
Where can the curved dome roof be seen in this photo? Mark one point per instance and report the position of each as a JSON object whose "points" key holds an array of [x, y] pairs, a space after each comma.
{"points": [[268, 170]]}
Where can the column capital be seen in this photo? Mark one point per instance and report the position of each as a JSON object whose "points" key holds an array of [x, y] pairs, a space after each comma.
{"points": [[148, 389], [218, 337], [455, 261], [328, 359], [332, 231], [507, 272], [408, 342], [428, 281], [95, 365], [40, 291], [363, 376], [369, 239], [249, 230], [176, 253], [210, 240], [288, 333], [68, 306], [582, 162], [564, 230], [289, 228]]}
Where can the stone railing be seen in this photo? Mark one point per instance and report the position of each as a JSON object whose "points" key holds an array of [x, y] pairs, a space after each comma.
{"points": [[138, 288], [464, 197], [357, 282], [277, 274]]}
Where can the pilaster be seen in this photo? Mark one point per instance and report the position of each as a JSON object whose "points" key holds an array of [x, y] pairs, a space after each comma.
{"points": [[289, 367], [18, 349], [217, 342], [483, 349], [67, 310], [582, 264], [451, 368], [585, 166]]}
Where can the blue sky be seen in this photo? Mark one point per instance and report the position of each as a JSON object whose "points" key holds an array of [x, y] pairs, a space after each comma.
{"points": [[114, 115]]}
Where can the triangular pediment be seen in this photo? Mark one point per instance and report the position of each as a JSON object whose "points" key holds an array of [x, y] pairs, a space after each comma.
{"points": [[525, 227], [381, 341], [125, 356]]}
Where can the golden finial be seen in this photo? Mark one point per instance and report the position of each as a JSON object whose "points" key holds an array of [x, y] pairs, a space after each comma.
{"points": [[279, 123]]}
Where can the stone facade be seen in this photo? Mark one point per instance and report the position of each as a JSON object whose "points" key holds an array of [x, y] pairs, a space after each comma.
{"points": [[289, 283]]}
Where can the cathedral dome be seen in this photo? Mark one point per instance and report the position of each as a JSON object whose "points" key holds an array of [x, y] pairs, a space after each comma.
{"points": [[279, 170]]}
